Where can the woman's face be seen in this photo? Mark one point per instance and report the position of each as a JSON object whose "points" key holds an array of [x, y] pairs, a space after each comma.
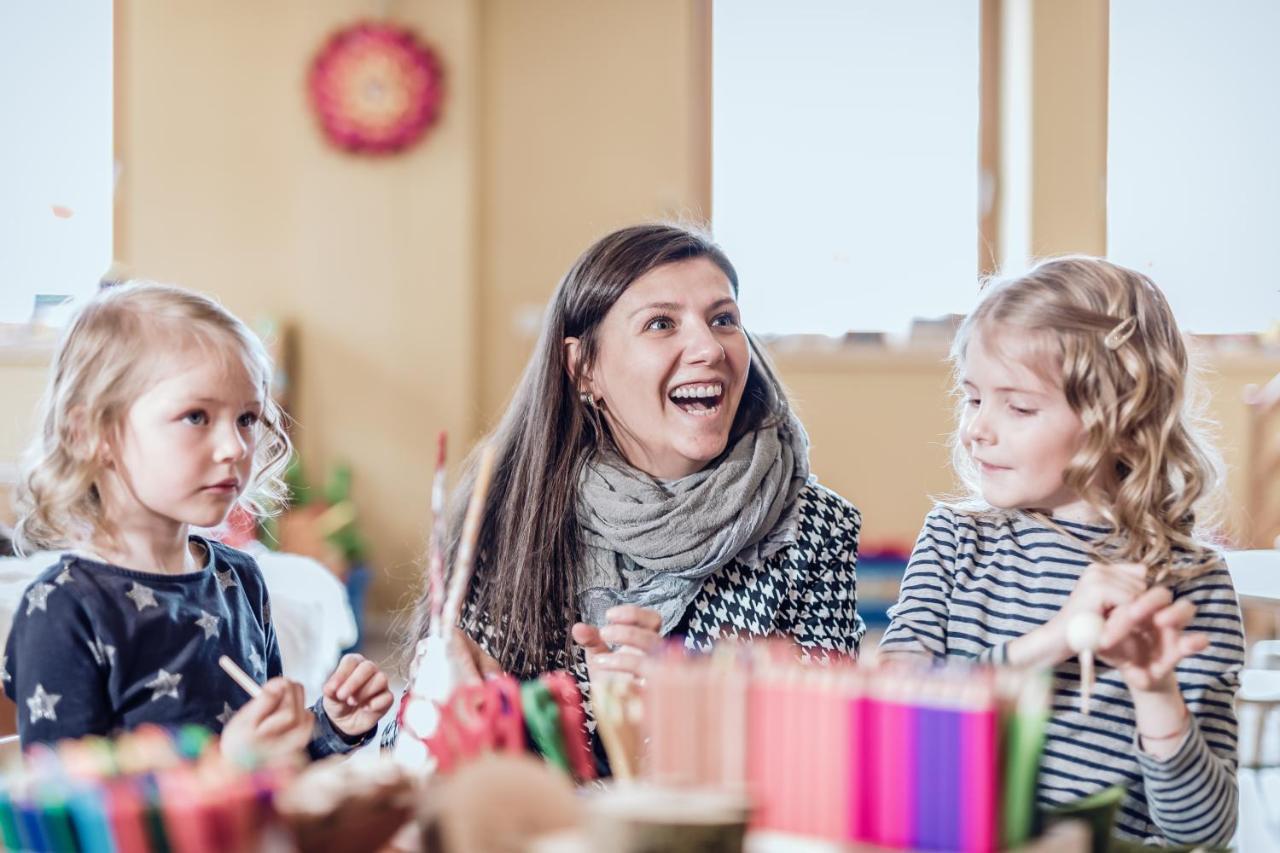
{"points": [[670, 368]]}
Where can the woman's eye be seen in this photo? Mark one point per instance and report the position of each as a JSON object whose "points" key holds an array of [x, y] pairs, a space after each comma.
{"points": [[196, 418], [725, 319], [660, 324], [248, 419]]}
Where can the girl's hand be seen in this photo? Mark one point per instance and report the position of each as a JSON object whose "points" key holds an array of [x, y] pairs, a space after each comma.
{"points": [[1145, 640], [1102, 587], [356, 695], [622, 645], [274, 723]]}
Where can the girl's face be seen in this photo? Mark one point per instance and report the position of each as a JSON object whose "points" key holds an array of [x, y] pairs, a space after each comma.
{"points": [[1018, 427], [184, 452], [671, 368]]}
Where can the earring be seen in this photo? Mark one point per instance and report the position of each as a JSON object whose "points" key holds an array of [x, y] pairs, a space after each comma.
{"points": [[588, 398]]}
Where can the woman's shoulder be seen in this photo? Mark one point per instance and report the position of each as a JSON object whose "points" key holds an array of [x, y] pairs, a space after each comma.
{"points": [[823, 507], [827, 528]]}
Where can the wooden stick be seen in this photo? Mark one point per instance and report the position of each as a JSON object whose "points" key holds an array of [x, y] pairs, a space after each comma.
{"points": [[239, 676], [460, 579], [435, 559], [1084, 631]]}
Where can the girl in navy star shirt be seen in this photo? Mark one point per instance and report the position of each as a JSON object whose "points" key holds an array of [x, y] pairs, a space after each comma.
{"points": [[158, 419]]}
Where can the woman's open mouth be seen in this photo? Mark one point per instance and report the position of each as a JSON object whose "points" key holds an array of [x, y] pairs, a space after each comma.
{"points": [[702, 399]]}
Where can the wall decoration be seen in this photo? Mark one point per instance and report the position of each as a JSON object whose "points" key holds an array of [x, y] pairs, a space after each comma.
{"points": [[376, 88]]}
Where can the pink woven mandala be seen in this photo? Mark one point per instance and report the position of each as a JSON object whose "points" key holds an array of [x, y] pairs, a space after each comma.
{"points": [[376, 89]]}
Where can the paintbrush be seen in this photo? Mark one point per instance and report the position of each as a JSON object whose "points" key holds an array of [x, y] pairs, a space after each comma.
{"points": [[460, 578], [435, 558]]}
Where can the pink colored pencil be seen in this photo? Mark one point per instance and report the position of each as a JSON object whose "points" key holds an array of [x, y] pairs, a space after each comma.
{"points": [[980, 745], [435, 558]]}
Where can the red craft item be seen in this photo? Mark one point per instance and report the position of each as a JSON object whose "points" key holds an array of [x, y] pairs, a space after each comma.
{"points": [[375, 88]]}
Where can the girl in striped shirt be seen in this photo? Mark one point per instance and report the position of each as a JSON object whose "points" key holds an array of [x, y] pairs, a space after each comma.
{"points": [[1086, 480]]}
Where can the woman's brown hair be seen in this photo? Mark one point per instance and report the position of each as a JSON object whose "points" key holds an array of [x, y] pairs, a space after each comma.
{"points": [[529, 547]]}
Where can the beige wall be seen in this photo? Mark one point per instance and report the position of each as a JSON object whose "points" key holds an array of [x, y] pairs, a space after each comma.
{"points": [[228, 188], [1069, 126], [414, 281], [592, 115]]}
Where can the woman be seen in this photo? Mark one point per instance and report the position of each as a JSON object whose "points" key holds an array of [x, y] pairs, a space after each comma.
{"points": [[650, 478]]}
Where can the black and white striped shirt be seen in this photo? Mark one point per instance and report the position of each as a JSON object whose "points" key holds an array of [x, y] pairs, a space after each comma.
{"points": [[976, 582]]}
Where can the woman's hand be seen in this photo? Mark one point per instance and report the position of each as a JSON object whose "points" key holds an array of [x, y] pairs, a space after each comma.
{"points": [[1102, 588], [470, 659], [622, 645], [356, 695], [274, 723]]}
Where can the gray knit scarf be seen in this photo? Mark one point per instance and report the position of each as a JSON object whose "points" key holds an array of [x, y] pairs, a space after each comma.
{"points": [[653, 543]]}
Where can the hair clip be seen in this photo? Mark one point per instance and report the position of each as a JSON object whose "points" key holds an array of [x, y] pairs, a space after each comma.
{"points": [[1121, 333]]}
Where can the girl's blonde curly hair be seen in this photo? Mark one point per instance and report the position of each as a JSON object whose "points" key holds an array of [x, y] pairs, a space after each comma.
{"points": [[108, 356], [1144, 464]]}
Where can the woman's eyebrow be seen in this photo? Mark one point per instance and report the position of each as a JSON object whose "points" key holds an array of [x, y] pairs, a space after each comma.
{"points": [[656, 306]]}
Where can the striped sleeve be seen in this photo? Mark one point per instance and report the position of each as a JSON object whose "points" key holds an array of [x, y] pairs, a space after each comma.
{"points": [[1193, 794], [918, 622]]}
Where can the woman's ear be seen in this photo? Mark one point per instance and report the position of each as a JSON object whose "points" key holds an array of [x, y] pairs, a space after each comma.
{"points": [[572, 356]]}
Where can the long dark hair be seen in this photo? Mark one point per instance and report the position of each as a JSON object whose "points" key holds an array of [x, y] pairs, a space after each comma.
{"points": [[529, 547]]}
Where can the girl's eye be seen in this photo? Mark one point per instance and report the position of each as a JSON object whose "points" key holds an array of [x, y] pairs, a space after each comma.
{"points": [[248, 419], [1018, 410], [660, 324], [726, 319], [196, 418], [972, 402]]}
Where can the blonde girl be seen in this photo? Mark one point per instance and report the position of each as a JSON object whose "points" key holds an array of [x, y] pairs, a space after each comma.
{"points": [[158, 419], [1087, 481]]}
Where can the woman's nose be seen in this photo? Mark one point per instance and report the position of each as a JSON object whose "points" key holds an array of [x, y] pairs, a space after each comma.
{"points": [[702, 346]]}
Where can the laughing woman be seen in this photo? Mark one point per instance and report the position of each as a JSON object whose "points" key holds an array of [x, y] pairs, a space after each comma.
{"points": [[651, 479]]}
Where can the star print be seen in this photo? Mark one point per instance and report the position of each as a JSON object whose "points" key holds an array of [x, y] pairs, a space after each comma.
{"points": [[38, 597], [143, 596], [164, 684], [42, 705], [227, 712], [226, 579], [64, 577], [102, 653], [255, 660], [209, 623], [4, 669]]}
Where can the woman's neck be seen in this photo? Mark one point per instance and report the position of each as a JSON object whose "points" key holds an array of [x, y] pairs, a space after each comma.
{"points": [[170, 553]]}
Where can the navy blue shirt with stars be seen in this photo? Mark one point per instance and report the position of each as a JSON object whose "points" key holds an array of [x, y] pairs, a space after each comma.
{"points": [[97, 649]]}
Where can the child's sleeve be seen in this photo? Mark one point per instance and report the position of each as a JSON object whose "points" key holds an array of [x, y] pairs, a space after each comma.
{"points": [[56, 667], [1193, 795], [918, 622]]}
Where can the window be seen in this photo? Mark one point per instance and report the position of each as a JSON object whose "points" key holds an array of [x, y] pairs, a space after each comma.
{"points": [[1193, 195], [845, 159], [56, 196]]}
